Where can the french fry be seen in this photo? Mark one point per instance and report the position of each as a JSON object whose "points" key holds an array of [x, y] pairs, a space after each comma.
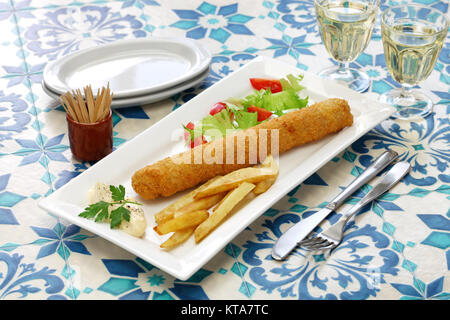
{"points": [[222, 210], [264, 185], [188, 215], [168, 212], [218, 204], [269, 162], [177, 238], [200, 204], [236, 178], [184, 221]]}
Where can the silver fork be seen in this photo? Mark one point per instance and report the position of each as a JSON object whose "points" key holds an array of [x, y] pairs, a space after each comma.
{"points": [[333, 236]]}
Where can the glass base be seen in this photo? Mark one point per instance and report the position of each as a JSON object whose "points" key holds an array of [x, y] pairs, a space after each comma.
{"points": [[351, 78], [413, 105]]}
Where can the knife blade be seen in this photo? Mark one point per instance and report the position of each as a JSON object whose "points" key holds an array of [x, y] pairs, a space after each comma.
{"points": [[294, 235]]}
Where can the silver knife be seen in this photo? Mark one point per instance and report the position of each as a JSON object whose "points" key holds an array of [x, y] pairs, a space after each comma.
{"points": [[294, 235]]}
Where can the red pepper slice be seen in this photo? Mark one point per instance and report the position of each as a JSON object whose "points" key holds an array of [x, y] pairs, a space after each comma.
{"points": [[260, 83], [263, 114], [219, 106]]}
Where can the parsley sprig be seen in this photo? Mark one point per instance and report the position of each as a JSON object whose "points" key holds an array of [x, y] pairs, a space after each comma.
{"points": [[99, 210]]}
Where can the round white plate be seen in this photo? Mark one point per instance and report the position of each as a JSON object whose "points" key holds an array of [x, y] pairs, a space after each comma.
{"points": [[133, 67], [144, 99]]}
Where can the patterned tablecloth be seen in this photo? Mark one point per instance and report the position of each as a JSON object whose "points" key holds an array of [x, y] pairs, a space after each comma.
{"points": [[397, 249]]}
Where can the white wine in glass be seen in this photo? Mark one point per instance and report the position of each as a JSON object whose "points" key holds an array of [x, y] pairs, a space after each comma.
{"points": [[412, 36], [346, 28]]}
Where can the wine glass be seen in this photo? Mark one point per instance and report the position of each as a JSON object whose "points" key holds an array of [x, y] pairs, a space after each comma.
{"points": [[412, 38], [345, 28]]}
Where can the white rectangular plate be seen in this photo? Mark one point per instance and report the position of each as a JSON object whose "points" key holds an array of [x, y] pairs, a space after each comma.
{"points": [[157, 142]]}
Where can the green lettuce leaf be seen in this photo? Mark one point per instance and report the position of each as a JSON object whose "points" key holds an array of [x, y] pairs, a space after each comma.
{"points": [[246, 119], [277, 102], [292, 83], [220, 121], [286, 99], [222, 124]]}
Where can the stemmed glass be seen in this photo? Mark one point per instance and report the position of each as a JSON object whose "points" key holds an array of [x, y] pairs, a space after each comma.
{"points": [[345, 28], [412, 38]]}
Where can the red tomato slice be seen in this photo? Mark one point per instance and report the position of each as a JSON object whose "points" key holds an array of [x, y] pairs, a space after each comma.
{"points": [[187, 135], [263, 114], [219, 106], [260, 83]]}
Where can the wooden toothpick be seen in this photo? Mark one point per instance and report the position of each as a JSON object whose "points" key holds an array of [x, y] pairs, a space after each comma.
{"points": [[88, 109]]}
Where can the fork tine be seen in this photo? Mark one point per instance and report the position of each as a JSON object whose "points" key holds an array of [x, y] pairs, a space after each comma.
{"points": [[308, 241], [319, 244], [331, 246]]}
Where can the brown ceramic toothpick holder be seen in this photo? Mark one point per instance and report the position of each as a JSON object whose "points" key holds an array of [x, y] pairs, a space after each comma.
{"points": [[91, 141]]}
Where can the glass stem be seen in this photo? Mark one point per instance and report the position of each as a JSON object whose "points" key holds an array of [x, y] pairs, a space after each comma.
{"points": [[405, 93], [343, 67]]}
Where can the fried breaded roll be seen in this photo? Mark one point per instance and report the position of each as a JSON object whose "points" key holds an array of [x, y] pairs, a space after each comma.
{"points": [[242, 149]]}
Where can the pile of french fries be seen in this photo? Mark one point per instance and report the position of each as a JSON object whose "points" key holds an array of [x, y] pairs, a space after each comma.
{"points": [[191, 213]]}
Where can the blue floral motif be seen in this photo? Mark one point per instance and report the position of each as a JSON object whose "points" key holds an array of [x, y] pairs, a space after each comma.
{"points": [[22, 279], [440, 236], [292, 46], [7, 201], [7, 9], [131, 280], [69, 29], [224, 64], [137, 280], [422, 291], [60, 239], [424, 144], [209, 20], [16, 122], [385, 202], [139, 3], [356, 272], [42, 149], [23, 74], [299, 14], [375, 67], [66, 175]]}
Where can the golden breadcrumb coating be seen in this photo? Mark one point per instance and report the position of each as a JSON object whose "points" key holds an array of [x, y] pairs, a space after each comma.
{"points": [[187, 169]]}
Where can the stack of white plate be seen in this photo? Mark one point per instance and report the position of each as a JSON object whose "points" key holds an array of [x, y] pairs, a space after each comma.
{"points": [[139, 71]]}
